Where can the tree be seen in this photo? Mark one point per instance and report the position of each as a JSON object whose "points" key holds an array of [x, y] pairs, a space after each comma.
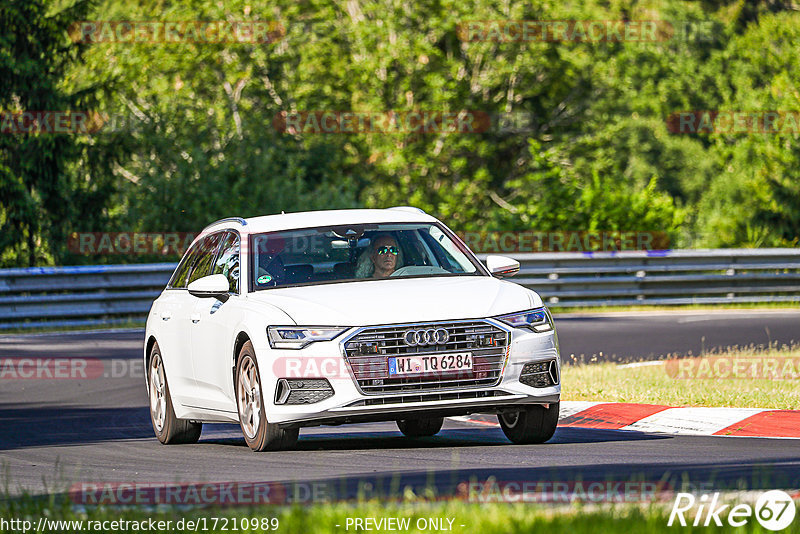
{"points": [[39, 195], [755, 198], [197, 120]]}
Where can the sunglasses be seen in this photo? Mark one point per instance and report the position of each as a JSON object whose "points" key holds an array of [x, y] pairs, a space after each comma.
{"points": [[387, 249]]}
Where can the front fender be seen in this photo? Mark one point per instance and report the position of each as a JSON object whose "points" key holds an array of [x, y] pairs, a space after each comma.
{"points": [[253, 327]]}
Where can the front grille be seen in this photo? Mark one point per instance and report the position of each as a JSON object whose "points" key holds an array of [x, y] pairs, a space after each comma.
{"points": [[539, 374], [368, 352]]}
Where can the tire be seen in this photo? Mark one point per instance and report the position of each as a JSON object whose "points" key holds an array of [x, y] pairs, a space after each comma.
{"points": [[259, 434], [419, 428], [531, 424], [168, 428]]}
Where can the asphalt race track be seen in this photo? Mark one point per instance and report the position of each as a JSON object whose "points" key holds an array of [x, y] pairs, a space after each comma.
{"points": [[629, 337], [55, 433]]}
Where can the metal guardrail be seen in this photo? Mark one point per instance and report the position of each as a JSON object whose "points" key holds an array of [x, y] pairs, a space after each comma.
{"points": [[79, 296], [669, 277], [112, 294]]}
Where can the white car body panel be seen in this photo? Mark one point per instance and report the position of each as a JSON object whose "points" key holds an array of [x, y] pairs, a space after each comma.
{"points": [[400, 300], [169, 316], [311, 219]]}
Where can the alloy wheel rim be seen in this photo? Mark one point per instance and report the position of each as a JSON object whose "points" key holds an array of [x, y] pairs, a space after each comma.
{"points": [[510, 419], [249, 394], [158, 401]]}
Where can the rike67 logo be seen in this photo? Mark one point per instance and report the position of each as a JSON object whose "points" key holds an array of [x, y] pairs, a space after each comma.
{"points": [[774, 510]]}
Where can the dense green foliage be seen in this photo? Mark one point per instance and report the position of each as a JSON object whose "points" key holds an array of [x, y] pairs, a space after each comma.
{"points": [[45, 180], [589, 147]]}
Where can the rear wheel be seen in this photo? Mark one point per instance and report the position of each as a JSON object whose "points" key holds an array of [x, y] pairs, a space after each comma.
{"points": [[418, 428], [259, 434], [168, 428], [530, 424]]}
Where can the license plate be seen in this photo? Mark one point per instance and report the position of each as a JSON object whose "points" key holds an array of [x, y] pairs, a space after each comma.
{"points": [[438, 363]]}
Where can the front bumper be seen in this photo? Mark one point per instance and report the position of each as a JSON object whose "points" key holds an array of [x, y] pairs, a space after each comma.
{"points": [[349, 404]]}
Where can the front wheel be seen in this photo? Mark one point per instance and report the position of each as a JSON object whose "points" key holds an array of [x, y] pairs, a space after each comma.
{"points": [[259, 434], [168, 428], [418, 428], [530, 424]]}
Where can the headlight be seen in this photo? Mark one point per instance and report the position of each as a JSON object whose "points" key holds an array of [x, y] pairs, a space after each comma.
{"points": [[537, 320], [297, 337]]}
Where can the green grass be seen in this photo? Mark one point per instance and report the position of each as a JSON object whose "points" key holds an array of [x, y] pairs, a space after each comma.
{"points": [[651, 384], [468, 518]]}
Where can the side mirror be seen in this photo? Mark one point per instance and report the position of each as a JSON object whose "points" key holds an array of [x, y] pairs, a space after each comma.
{"points": [[501, 266], [215, 285]]}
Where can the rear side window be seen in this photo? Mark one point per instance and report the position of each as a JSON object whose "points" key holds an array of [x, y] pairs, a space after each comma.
{"points": [[228, 261]]}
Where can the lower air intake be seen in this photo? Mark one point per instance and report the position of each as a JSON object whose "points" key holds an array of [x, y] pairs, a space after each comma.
{"points": [[539, 374], [302, 391]]}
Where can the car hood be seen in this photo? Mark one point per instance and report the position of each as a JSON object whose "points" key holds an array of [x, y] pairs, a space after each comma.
{"points": [[405, 300]]}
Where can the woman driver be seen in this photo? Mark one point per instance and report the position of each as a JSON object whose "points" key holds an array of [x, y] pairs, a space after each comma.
{"points": [[384, 256], [381, 259]]}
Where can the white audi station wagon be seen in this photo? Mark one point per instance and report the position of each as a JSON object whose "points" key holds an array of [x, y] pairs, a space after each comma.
{"points": [[347, 316]]}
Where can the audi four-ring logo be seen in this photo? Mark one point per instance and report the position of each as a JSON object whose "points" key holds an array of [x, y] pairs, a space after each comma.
{"points": [[430, 336]]}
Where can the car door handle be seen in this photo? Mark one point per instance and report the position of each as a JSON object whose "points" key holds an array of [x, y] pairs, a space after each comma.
{"points": [[195, 318], [166, 316]]}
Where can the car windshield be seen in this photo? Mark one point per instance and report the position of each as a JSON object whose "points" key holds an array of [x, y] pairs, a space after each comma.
{"points": [[358, 252]]}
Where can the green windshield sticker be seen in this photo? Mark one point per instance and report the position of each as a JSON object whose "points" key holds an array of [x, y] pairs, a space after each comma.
{"points": [[263, 279]]}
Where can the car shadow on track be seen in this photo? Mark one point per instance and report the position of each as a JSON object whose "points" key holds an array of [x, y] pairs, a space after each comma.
{"points": [[26, 426], [366, 439]]}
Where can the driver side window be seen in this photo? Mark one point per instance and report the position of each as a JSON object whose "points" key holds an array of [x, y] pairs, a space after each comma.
{"points": [[206, 255], [178, 280]]}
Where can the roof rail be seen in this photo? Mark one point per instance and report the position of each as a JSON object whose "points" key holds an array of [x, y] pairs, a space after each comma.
{"points": [[408, 208], [227, 219]]}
